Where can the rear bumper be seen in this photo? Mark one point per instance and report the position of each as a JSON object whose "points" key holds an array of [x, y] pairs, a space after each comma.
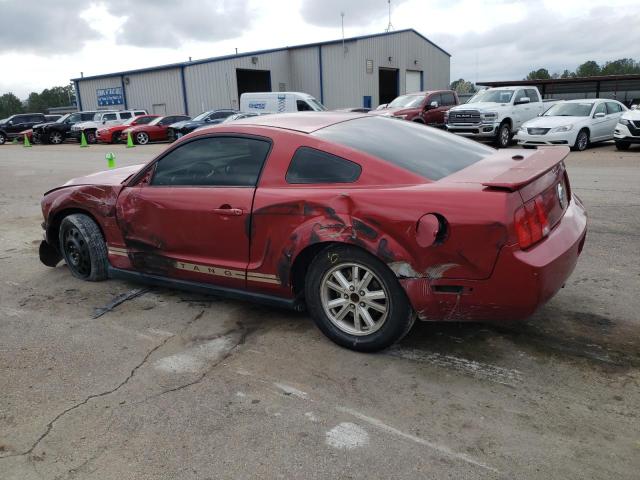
{"points": [[522, 281]]}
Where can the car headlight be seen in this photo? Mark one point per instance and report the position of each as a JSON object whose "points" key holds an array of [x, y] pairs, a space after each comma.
{"points": [[403, 117], [489, 115], [563, 128], [624, 121]]}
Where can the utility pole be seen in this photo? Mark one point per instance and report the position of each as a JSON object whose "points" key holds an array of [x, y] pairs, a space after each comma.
{"points": [[344, 48], [390, 26]]}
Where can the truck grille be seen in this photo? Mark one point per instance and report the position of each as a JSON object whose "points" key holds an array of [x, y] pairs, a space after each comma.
{"points": [[636, 123], [464, 116], [538, 131]]}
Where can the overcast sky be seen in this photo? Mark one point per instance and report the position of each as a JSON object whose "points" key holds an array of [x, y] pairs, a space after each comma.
{"points": [[45, 43]]}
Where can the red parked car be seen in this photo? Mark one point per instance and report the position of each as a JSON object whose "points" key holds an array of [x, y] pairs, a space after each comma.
{"points": [[422, 107], [368, 221], [113, 133], [154, 131]]}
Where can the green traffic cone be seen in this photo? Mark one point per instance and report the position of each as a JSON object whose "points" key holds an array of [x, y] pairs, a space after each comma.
{"points": [[83, 140], [111, 159], [27, 143], [129, 140], [15, 140]]}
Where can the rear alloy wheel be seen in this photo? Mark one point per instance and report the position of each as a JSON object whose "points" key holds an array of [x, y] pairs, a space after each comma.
{"points": [[503, 139], [3, 138], [56, 138], [582, 141], [622, 145], [356, 300], [90, 136], [142, 138], [83, 247], [115, 138]]}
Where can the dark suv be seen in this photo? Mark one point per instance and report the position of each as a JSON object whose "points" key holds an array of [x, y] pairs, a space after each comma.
{"points": [[12, 126], [56, 132], [210, 118]]}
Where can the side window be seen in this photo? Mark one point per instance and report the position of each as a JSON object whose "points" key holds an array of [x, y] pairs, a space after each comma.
{"points": [[518, 96], [167, 121], [309, 165], [436, 97], [613, 108], [137, 114], [448, 99], [76, 117], [125, 115], [213, 161], [109, 116], [217, 115], [144, 120], [601, 108], [303, 106], [87, 116], [532, 94]]}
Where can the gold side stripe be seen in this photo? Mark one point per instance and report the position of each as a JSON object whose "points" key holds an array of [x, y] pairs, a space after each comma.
{"points": [[209, 270]]}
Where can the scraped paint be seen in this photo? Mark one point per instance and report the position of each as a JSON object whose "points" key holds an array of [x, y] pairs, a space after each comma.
{"points": [[347, 436]]}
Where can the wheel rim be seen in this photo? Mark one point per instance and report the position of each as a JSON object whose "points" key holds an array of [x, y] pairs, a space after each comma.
{"points": [[354, 299], [56, 138], [504, 136], [142, 138], [76, 252], [2, 139], [582, 141]]}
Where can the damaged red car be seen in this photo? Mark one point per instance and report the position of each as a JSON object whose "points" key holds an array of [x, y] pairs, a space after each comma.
{"points": [[367, 222]]}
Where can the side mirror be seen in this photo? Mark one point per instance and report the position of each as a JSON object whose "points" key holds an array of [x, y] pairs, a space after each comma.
{"points": [[10, 122], [634, 107], [523, 100], [433, 104], [599, 115]]}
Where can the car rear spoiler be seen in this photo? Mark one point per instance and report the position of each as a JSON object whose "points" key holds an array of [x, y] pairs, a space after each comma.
{"points": [[531, 167]]}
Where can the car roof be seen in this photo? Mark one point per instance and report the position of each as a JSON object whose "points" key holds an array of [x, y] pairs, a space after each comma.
{"points": [[305, 122]]}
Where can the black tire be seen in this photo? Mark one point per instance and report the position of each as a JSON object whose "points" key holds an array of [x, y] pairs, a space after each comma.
{"points": [[83, 247], [399, 313], [3, 138], [503, 137], [55, 138], [115, 138], [622, 145], [90, 135], [141, 138], [582, 141]]}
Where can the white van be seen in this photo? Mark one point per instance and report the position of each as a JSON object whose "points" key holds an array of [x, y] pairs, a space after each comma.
{"points": [[279, 102]]}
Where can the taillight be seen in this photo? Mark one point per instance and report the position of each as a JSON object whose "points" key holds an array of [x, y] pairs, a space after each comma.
{"points": [[531, 222]]}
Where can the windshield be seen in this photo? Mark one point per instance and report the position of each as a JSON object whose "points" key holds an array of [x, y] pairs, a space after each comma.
{"points": [[407, 101], [492, 96], [317, 106], [202, 116], [428, 152], [569, 110], [63, 118]]}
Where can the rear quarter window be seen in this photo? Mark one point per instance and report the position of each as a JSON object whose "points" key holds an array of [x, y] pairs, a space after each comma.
{"points": [[426, 151], [309, 165]]}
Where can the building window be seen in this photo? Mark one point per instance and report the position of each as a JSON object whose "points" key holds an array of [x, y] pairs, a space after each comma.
{"points": [[369, 66]]}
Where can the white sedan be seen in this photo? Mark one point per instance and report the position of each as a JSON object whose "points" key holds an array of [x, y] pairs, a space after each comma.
{"points": [[576, 123]]}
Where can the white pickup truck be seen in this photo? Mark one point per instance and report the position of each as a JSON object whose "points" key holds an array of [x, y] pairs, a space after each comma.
{"points": [[496, 113]]}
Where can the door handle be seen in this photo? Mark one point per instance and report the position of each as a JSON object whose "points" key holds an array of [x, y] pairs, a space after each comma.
{"points": [[234, 212]]}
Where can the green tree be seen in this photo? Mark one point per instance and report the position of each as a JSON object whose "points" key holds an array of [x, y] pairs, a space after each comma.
{"points": [[462, 86], [567, 74], [540, 74], [10, 105], [588, 69], [50, 97], [622, 66]]}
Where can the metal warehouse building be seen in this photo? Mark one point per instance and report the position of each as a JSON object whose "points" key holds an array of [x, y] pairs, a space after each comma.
{"points": [[359, 71]]}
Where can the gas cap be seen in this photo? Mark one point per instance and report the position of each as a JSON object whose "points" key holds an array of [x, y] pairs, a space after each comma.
{"points": [[430, 230]]}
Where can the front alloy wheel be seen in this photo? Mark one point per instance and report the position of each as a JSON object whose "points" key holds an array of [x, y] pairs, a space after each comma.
{"points": [[504, 136], [56, 138], [142, 138]]}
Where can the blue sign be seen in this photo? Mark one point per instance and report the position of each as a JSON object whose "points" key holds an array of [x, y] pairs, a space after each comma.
{"points": [[258, 105], [110, 96]]}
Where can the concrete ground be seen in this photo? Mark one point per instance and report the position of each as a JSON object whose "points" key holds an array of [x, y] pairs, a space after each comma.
{"points": [[175, 385]]}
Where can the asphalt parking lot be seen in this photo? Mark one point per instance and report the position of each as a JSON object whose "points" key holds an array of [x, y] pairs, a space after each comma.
{"points": [[177, 385]]}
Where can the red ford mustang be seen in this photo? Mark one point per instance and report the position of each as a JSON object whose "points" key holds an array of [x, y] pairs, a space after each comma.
{"points": [[368, 221], [113, 133], [155, 131]]}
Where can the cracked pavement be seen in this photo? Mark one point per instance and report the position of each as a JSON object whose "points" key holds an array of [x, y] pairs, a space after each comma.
{"points": [[176, 385]]}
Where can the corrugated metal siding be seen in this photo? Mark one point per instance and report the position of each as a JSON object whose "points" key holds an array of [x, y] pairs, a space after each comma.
{"points": [[345, 81], [89, 96], [162, 87], [305, 71], [214, 85]]}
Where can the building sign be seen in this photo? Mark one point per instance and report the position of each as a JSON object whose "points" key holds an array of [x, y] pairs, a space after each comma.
{"points": [[110, 96]]}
